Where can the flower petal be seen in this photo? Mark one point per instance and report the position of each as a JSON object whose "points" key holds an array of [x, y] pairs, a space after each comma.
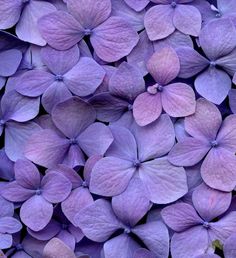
{"points": [[137, 5], [9, 225], [9, 62], [5, 241]]}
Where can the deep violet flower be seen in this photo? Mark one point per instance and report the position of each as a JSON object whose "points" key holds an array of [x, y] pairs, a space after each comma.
{"points": [[218, 41], [8, 224], [37, 194], [72, 128], [101, 219], [23, 13], [163, 19], [112, 37], [15, 112], [177, 99], [209, 137], [66, 72], [195, 230], [140, 154]]}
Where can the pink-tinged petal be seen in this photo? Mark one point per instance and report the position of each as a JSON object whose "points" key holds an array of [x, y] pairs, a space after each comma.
{"points": [[178, 100], [9, 225], [227, 133], [111, 176], [188, 152], [54, 94], [77, 78], [5, 241], [187, 19], [96, 139], [74, 112], [89, 13], [180, 216], [155, 236], [223, 228], [36, 212], [210, 203], [67, 238], [224, 34], [164, 66], [16, 107], [46, 148], [141, 53], [77, 200], [158, 22], [55, 187], [218, 169], [16, 193], [144, 253], [89, 164], [164, 182], [191, 62], [206, 121], [114, 39], [27, 174], [147, 108], [122, 246], [156, 139], [9, 62], [232, 100], [98, 221], [56, 248], [124, 145], [189, 243], [137, 5], [60, 30], [137, 206], [27, 27], [74, 157], [34, 83], [17, 136], [60, 62], [229, 247], [126, 82], [213, 84]]}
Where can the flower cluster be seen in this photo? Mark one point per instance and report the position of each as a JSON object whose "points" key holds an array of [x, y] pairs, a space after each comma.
{"points": [[118, 128]]}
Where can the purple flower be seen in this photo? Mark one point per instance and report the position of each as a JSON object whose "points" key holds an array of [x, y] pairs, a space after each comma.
{"points": [[37, 194], [140, 154], [25, 13], [195, 231], [100, 220], [229, 246], [67, 73], [163, 19], [111, 36], [72, 128], [218, 41], [8, 224], [211, 138], [177, 99]]}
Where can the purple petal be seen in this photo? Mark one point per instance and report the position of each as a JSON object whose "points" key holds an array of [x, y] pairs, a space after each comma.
{"points": [[114, 39], [228, 62], [67, 238], [88, 166], [7, 208], [137, 5], [143, 253], [9, 225], [9, 62], [229, 247], [164, 182], [97, 221], [158, 22], [36, 212], [5, 241], [74, 157]]}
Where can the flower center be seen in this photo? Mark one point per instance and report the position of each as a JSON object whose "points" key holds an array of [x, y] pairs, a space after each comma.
{"points": [[59, 78], [127, 230], [136, 163], [38, 191], [2, 122], [214, 144], [212, 63], [173, 4], [73, 141], [154, 89], [217, 11], [130, 107], [84, 184], [206, 224], [19, 247], [87, 32]]}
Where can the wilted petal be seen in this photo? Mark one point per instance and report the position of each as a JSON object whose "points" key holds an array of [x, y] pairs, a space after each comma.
{"points": [[178, 100], [97, 221], [60, 30], [158, 22], [164, 66], [137, 5], [9, 62], [164, 182], [36, 212], [210, 203], [113, 39]]}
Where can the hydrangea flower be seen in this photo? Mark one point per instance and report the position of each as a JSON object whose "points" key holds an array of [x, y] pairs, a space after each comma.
{"points": [[8, 224], [195, 230], [211, 138], [177, 99], [72, 128], [67, 72], [37, 194], [213, 83], [111, 36], [140, 154]]}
